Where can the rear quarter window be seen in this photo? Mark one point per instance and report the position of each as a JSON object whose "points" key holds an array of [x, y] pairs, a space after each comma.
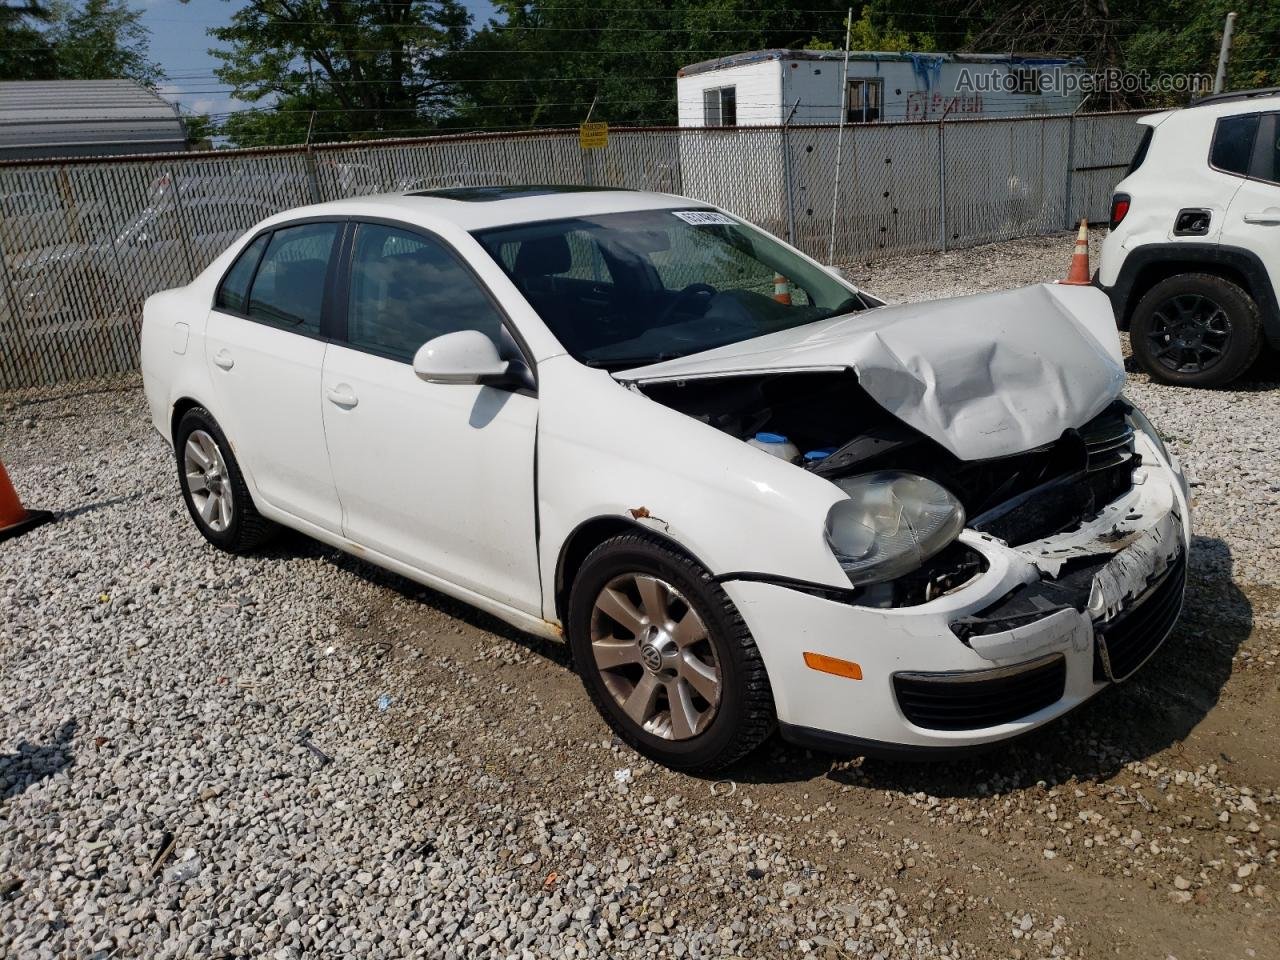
{"points": [[1140, 154], [233, 294], [1233, 144]]}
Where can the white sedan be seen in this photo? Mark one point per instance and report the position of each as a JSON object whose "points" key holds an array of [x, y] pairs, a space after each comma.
{"points": [[751, 495]]}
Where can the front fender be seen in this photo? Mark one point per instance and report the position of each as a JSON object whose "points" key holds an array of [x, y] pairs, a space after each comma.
{"points": [[604, 450]]}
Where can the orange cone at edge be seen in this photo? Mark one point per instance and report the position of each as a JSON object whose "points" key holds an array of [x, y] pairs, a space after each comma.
{"points": [[14, 518], [1078, 272]]}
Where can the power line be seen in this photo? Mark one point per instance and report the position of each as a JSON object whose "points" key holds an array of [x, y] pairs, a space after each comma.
{"points": [[837, 13], [1005, 105]]}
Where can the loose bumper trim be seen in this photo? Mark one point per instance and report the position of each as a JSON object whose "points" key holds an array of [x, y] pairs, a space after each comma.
{"points": [[1124, 644]]}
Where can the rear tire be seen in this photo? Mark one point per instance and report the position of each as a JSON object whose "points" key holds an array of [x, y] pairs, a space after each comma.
{"points": [[1196, 330], [213, 486], [676, 674]]}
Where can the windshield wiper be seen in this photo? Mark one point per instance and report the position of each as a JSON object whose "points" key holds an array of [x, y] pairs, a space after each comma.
{"points": [[848, 305]]}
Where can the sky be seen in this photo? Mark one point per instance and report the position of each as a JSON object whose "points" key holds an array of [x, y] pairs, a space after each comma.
{"points": [[180, 44]]}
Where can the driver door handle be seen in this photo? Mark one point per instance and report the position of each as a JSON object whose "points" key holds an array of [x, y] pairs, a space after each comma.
{"points": [[1267, 219], [224, 359], [342, 395]]}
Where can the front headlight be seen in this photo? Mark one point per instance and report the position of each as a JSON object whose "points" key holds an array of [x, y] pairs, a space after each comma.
{"points": [[891, 524], [1138, 420]]}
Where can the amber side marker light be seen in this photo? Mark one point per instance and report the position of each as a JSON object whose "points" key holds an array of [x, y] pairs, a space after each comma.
{"points": [[833, 665]]}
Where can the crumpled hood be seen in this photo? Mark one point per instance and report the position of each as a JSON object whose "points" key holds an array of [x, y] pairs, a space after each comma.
{"points": [[984, 376]]}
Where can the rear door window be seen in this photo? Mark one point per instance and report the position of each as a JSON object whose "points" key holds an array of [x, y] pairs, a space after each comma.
{"points": [[233, 294], [1233, 144], [1265, 163], [288, 290]]}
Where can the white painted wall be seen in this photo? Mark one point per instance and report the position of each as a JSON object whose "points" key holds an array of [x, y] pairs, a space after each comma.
{"points": [[766, 91], [759, 89]]}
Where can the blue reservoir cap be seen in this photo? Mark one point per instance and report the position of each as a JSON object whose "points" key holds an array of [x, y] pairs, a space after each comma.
{"points": [[820, 454], [771, 438]]}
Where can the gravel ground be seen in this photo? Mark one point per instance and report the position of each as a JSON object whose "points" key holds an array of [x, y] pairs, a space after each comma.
{"points": [[294, 754]]}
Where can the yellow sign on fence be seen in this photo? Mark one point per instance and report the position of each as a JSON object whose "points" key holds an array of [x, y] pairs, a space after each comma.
{"points": [[593, 136]]}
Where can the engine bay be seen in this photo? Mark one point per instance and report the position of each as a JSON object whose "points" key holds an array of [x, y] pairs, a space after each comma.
{"points": [[826, 423]]}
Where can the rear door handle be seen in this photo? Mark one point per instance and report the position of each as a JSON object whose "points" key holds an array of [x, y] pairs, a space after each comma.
{"points": [[342, 395], [1267, 219], [224, 359]]}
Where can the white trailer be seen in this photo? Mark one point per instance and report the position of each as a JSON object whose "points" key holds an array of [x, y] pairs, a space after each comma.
{"points": [[766, 87]]}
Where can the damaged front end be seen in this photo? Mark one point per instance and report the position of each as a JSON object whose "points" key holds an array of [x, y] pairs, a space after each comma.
{"points": [[1073, 549], [1013, 533], [843, 435]]}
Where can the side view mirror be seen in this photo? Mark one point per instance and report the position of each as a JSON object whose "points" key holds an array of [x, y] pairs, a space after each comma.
{"points": [[468, 356]]}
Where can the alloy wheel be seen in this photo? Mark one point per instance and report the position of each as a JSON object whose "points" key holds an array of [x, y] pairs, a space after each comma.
{"points": [[207, 480], [1189, 333], [655, 656]]}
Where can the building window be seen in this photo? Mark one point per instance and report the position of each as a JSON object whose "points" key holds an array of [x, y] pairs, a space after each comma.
{"points": [[1026, 80], [863, 101], [720, 107]]}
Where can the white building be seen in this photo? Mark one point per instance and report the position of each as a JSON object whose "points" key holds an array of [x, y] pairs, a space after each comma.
{"points": [[764, 87]]}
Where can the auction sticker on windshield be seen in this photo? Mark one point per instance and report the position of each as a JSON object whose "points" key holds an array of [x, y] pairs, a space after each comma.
{"points": [[703, 218]]}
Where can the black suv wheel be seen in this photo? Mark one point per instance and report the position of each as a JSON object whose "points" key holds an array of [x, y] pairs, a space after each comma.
{"points": [[1195, 330]]}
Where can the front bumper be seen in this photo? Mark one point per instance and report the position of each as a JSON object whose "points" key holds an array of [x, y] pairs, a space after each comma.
{"points": [[973, 668]]}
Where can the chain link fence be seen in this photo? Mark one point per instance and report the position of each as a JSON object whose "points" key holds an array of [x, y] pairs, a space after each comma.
{"points": [[83, 243]]}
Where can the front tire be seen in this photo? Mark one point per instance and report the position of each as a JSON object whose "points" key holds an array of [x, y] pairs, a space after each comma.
{"points": [[1196, 330], [665, 656], [213, 486]]}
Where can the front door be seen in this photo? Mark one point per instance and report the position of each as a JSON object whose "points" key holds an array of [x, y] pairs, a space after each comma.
{"points": [[438, 476], [1253, 218], [265, 356]]}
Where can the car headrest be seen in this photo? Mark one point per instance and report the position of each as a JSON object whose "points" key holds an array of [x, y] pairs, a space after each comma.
{"points": [[543, 256]]}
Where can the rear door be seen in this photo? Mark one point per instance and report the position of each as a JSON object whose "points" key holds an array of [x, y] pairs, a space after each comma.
{"points": [[1253, 217], [265, 350], [438, 476]]}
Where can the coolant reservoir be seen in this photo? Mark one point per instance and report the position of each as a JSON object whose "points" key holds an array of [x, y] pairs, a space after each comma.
{"points": [[775, 444]]}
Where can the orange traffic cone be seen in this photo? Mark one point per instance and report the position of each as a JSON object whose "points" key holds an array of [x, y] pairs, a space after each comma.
{"points": [[15, 520], [781, 289], [1078, 272]]}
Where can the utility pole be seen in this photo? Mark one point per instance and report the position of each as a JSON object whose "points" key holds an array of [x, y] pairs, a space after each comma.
{"points": [[1220, 81], [844, 110]]}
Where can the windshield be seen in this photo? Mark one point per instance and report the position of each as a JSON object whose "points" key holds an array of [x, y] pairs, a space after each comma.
{"points": [[624, 289]]}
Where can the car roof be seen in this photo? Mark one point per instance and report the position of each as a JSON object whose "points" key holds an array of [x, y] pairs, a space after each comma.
{"points": [[1236, 96], [479, 208], [1219, 105]]}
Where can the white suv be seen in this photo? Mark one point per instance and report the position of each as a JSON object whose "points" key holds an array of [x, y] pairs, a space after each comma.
{"points": [[1193, 255]]}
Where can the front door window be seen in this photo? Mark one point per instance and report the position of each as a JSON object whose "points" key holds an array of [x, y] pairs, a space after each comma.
{"points": [[407, 289]]}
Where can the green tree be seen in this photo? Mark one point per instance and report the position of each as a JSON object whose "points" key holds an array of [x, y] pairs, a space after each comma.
{"points": [[1185, 38], [100, 40], [338, 68], [25, 52], [538, 64], [65, 40], [869, 32], [1160, 37], [200, 130]]}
